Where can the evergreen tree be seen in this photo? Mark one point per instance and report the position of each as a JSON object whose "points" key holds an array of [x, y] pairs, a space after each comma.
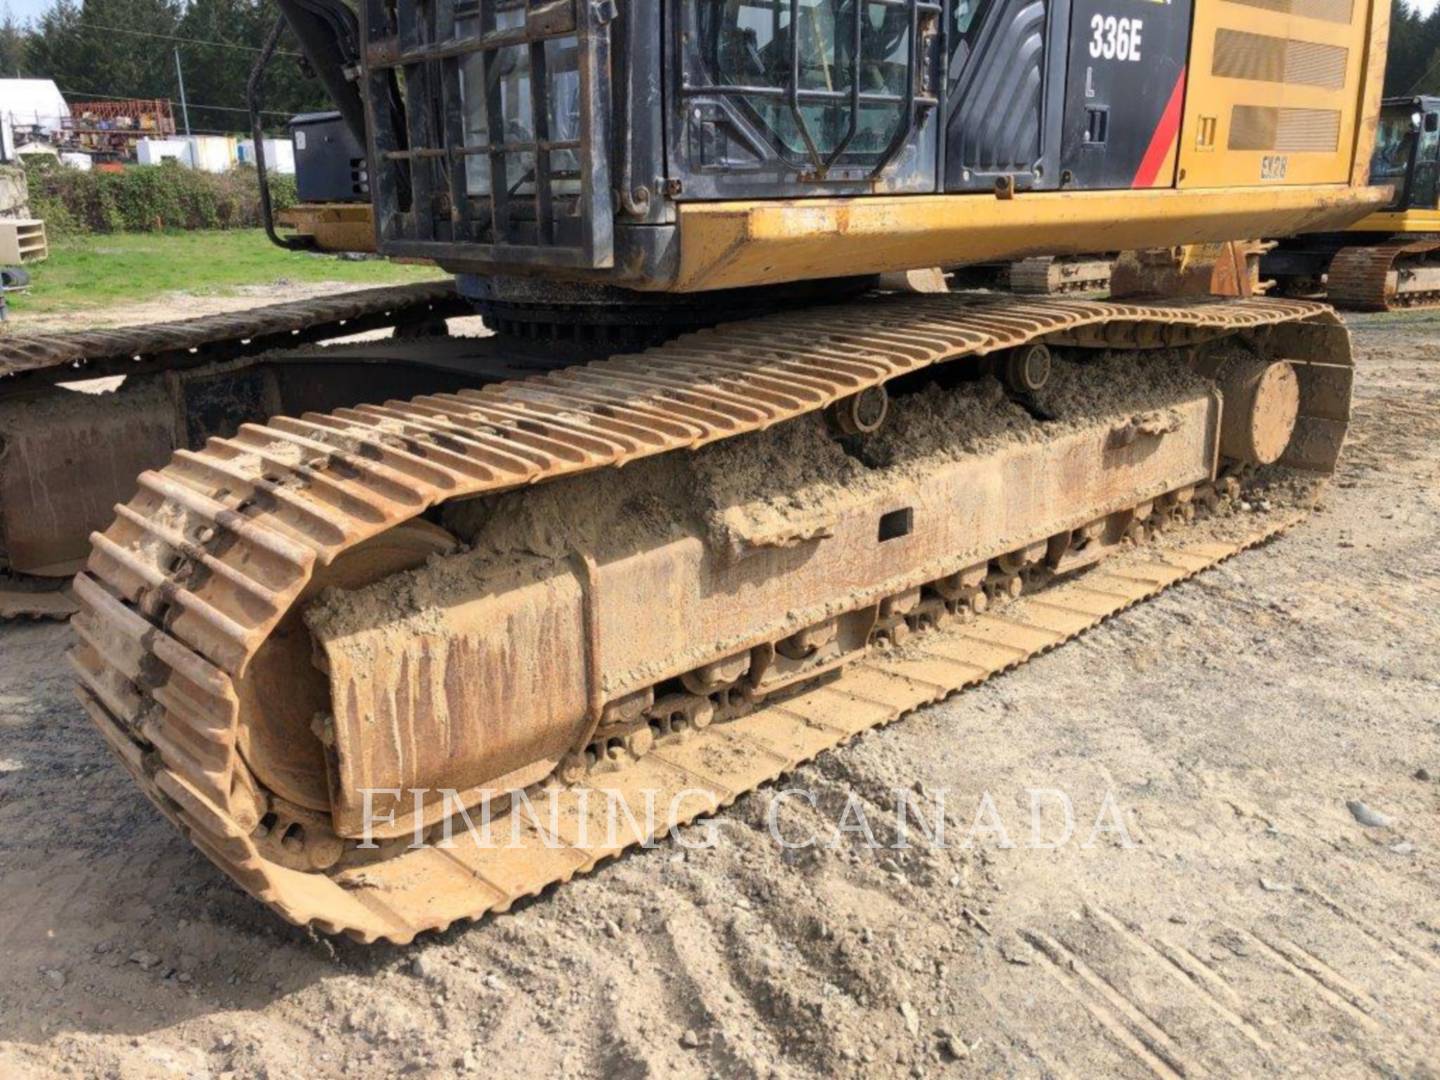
{"points": [[123, 49], [1413, 64], [1426, 79], [13, 40], [216, 75], [98, 47]]}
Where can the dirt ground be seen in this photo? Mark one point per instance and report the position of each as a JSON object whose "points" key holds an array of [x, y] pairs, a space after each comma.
{"points": [[1231, 914]]}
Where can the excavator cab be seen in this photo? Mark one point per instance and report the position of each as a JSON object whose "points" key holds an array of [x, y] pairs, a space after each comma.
{"points": [[638, 146], [1407, 151]]}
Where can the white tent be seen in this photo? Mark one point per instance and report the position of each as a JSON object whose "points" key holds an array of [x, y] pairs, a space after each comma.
{"points": [[154, 151], [210, 153], [28, 103]]}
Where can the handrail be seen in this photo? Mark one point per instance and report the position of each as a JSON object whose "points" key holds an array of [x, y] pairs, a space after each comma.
{"points": [[257, 134]]}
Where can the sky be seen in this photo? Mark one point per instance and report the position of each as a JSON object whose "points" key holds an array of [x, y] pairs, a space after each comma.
{"points": [[24, 9]]}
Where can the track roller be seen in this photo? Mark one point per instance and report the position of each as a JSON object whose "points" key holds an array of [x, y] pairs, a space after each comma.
{"points": [[862, 413], [1027, 369]]}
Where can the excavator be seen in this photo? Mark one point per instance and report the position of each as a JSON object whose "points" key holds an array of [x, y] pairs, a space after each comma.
{"points": [[714, 501], [1389, 259]]}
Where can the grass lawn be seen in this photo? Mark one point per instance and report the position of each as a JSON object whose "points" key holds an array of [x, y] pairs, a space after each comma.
{"points": [[99, 271]]}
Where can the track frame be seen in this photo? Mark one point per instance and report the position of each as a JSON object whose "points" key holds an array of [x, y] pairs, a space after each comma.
{"points": [[215, 548]]}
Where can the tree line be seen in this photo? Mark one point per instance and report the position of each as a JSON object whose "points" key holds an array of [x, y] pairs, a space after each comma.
{"points": [[1413, 66], [127, 49]]}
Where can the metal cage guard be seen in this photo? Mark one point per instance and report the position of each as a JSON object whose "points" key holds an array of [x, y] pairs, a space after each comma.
{"points": [[416, 99], [917, 98]]}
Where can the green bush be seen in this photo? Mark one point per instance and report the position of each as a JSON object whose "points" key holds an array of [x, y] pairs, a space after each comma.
{"points": [[149, 198], [283, 193]]}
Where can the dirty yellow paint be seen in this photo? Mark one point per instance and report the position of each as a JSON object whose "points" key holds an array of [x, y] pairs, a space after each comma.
{"points": [[1399, 221], [731, 244], [1376, 51], [1280, 95], [333, 226]]}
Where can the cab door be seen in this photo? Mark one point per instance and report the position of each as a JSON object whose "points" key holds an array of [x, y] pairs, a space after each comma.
{"points": [[785, 98]]}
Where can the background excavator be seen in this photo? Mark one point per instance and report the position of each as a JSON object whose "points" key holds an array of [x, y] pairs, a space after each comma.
{"points": [[1389, 259], [316, 640]]}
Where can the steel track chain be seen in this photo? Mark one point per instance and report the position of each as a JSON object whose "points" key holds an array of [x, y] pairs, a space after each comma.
{"points": [[96, 352], [1359, 277], [213, 550]]}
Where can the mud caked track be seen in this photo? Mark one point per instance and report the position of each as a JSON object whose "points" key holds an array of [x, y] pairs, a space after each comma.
{"points": [[1401, 273], [129, 349], [70, 450], [187, 597]]}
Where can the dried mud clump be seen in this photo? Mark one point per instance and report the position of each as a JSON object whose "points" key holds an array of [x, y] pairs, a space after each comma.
{"points": [[773, 488], [788, 483], [1117, 383], [970, 419]]}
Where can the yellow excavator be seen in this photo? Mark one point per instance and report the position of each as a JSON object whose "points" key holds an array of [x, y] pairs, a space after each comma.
{"points": [[742, 503], [1389, 259]]}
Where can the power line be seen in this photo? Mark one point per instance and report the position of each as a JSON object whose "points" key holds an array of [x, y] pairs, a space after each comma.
{"points": [[179, 38], [1416, 84]]}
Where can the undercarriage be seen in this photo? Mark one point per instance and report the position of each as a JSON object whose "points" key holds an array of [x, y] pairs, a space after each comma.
{"points": [[322, 639], [83, 413], [1359, 271], [72, 441], [1046, 275], [1403, 272]]}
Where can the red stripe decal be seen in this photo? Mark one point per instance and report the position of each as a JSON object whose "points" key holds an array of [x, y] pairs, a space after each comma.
{"points": [[1164, 137]]}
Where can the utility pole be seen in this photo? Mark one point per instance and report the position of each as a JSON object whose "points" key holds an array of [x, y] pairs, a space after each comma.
{"points": [[180, 75]]}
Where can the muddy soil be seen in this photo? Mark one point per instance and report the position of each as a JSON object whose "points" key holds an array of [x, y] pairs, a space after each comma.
{"points": [[1252, 763]]}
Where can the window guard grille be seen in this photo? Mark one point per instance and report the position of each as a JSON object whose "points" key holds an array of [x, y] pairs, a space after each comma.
{"points": [[415, 96], [921, 85]]}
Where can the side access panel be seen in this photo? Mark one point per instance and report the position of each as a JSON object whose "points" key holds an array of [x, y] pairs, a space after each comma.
{"points": [[1276, 91], [1124, 93], [1005, 98]]}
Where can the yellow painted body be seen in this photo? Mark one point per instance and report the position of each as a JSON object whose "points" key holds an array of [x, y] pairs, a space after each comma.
{"points": [[332, 226], [1277, 90], [1405, 222], [723, 245]]}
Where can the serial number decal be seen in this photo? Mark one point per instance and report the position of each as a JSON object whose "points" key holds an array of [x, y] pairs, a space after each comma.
{"points": [[1115, 39], [1273, 166]]}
